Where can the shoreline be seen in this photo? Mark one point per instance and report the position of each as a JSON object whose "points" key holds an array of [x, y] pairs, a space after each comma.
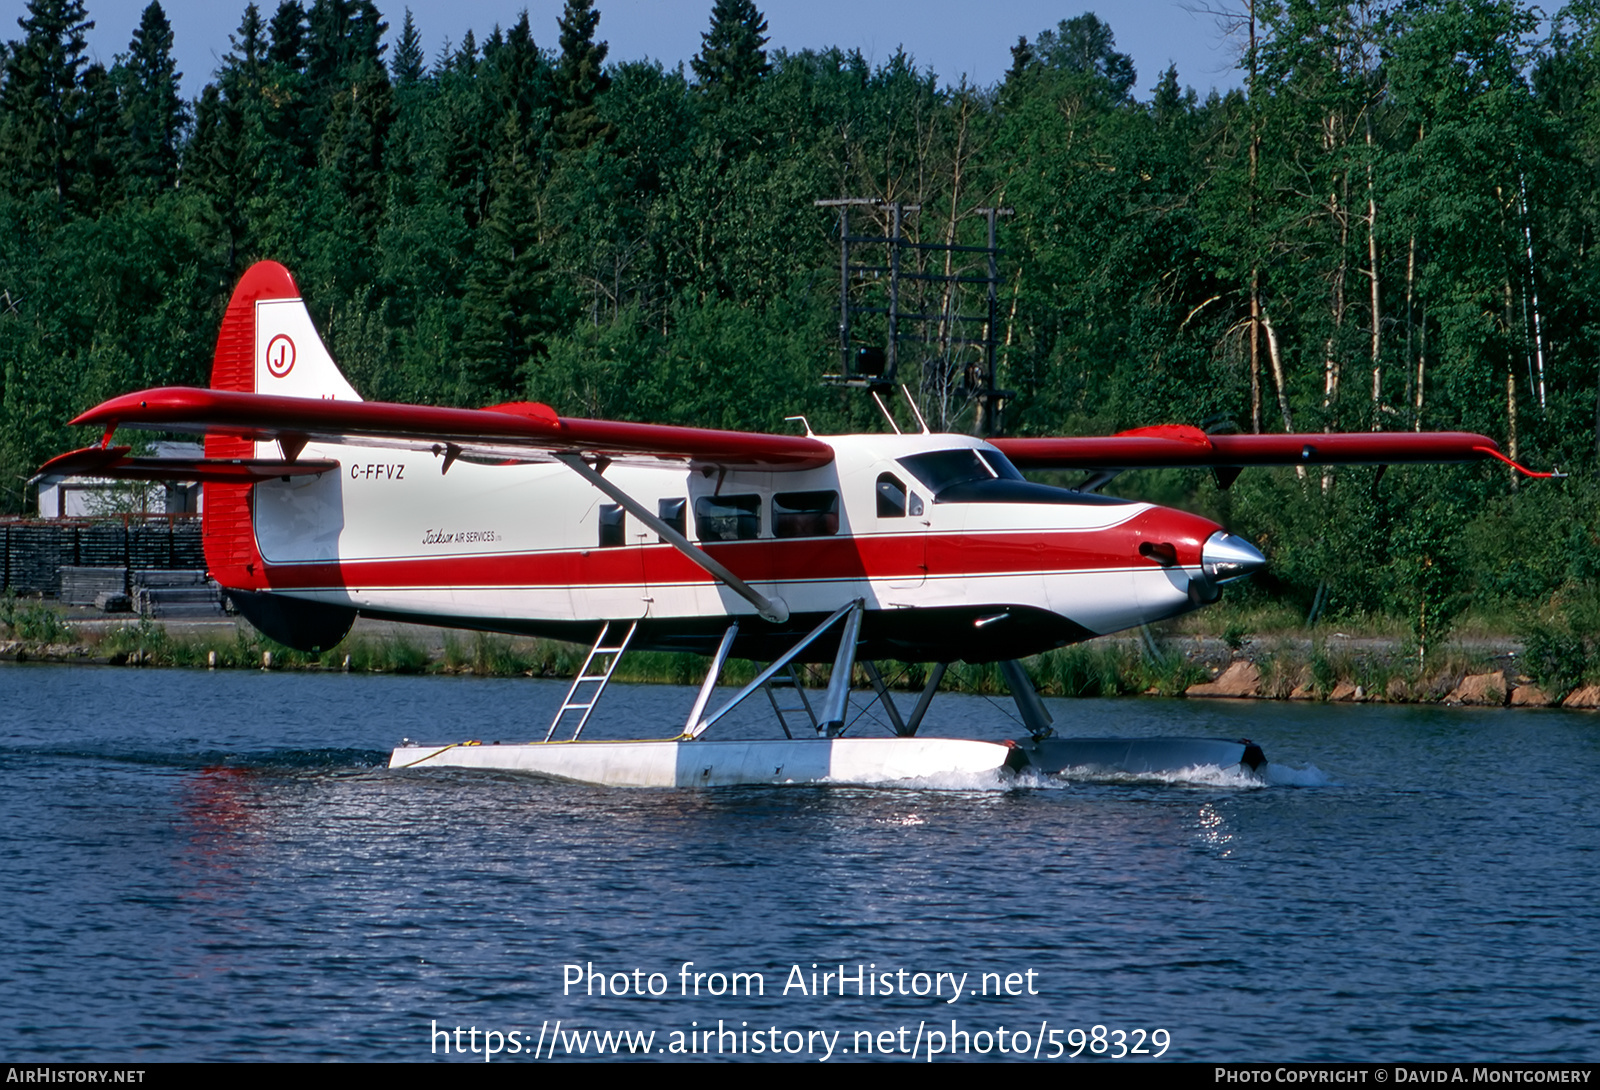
{"points": [[1332, 668]]}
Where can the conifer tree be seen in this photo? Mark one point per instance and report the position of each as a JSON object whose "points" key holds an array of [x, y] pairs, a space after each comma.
{"points": [[153, 113], [42, 99], [367, 29], [1024, 66], [461, 134], [353, 153], [731, 62], [284, 114], [510, 307], [289, 36], [464, 61], [99, 144], [579, 78], [518, 79], [243, 70], [200, 157], [1021, 58], [327, 26], [343, 47], [407, 67], [240, 162], [1169, 100]]}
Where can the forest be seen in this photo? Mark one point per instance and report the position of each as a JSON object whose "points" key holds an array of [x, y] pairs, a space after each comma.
{"points": [[1390, 226]]}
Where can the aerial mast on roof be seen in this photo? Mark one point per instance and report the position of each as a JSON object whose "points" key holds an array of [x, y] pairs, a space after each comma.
{"points": [[955, 369]]}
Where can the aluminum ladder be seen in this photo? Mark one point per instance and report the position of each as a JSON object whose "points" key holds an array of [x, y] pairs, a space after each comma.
{"points": [[788, 678], [609, 657]]}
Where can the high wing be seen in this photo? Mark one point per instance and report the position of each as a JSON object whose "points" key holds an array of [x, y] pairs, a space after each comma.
{"points": [[530, 431], [517, 431], [1179, 445]]}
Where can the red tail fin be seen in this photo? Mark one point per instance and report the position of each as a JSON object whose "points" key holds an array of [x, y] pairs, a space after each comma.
{"points": [[268, 345]]}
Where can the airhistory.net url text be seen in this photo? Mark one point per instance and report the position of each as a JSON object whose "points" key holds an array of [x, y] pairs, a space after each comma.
{"points": [[922, 1041]]}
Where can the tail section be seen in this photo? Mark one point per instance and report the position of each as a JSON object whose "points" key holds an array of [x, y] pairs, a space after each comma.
{"points": [[268, 345]]}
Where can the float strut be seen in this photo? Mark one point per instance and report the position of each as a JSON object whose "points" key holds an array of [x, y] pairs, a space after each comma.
{"points": [[837, 699], [691, 727], [1029, 705], [927, 698], [883, 695], [782, 661]]}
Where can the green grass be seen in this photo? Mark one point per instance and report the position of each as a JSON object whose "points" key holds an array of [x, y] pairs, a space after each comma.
{"points": [[1557, 658], [34, 622]]}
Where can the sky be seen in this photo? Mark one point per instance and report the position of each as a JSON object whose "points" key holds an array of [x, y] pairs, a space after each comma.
{"points": [[953, 38]]}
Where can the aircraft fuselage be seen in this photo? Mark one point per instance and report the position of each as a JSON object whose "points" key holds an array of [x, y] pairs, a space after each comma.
{"points": [[954, 555]]}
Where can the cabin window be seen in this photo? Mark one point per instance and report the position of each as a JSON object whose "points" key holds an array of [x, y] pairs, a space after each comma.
{"points": [[671, 512], [613, 525], [805, 514], [727, 518], [891, 497]]}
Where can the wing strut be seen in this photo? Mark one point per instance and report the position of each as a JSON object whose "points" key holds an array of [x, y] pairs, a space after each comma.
{"points": [[771, 609]]}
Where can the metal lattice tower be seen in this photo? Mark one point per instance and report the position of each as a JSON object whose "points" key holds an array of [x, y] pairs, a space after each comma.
{"points": [[953, 364]]}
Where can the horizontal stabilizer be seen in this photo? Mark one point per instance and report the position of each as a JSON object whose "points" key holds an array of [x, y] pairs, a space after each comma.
{"points": [[519, 431], [114, 463]]}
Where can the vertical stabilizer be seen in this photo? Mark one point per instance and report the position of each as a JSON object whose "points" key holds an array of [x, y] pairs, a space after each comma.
{"points": [[268, 345]]}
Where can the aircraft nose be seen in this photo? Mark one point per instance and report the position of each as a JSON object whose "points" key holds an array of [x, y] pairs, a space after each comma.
{"points": [[1226, 557]]}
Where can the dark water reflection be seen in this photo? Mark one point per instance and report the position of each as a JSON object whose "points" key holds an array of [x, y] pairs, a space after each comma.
{"points": [[217, 866]]}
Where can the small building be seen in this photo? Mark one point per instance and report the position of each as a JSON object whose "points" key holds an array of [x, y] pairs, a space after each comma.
{"points": [[96, 497]]}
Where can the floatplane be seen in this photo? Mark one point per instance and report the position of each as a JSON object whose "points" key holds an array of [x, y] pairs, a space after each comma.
{"points": [[783, 549]]}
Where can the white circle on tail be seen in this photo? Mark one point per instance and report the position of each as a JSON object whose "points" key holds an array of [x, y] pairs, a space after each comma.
{"points": [[280, 355]]}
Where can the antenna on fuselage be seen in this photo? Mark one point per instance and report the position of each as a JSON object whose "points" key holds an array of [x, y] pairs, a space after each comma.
{"points": [[887, 415], [914, 410]]}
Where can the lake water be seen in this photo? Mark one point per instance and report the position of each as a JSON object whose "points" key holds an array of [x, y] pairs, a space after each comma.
{"points": [[217, 866]]}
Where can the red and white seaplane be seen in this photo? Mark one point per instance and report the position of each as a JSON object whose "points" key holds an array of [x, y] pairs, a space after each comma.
{"points": [[780, 548]]}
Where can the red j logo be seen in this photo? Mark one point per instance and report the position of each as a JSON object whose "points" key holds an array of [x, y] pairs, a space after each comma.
{"points": [[280, 356]]}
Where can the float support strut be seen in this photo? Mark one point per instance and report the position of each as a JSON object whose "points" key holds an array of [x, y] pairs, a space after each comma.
{"points": [[883, 695], [936, 676], [710, 683], [837, 699], [1029, 705], [782, 661]]}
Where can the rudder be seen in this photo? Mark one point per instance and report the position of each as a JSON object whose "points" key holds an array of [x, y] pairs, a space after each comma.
{"points": [[267, 345]]}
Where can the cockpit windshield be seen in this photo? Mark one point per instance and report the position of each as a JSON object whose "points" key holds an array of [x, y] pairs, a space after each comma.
{"points": [[987, 476], [940, 469]]}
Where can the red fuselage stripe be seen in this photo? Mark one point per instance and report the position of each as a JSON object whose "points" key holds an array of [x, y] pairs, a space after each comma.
{"points": [[900, 556]]}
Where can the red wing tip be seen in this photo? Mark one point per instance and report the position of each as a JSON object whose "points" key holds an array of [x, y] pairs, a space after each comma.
{"points": [[1492, 452], [165, 397], [533, 410], [1182, 433]]}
